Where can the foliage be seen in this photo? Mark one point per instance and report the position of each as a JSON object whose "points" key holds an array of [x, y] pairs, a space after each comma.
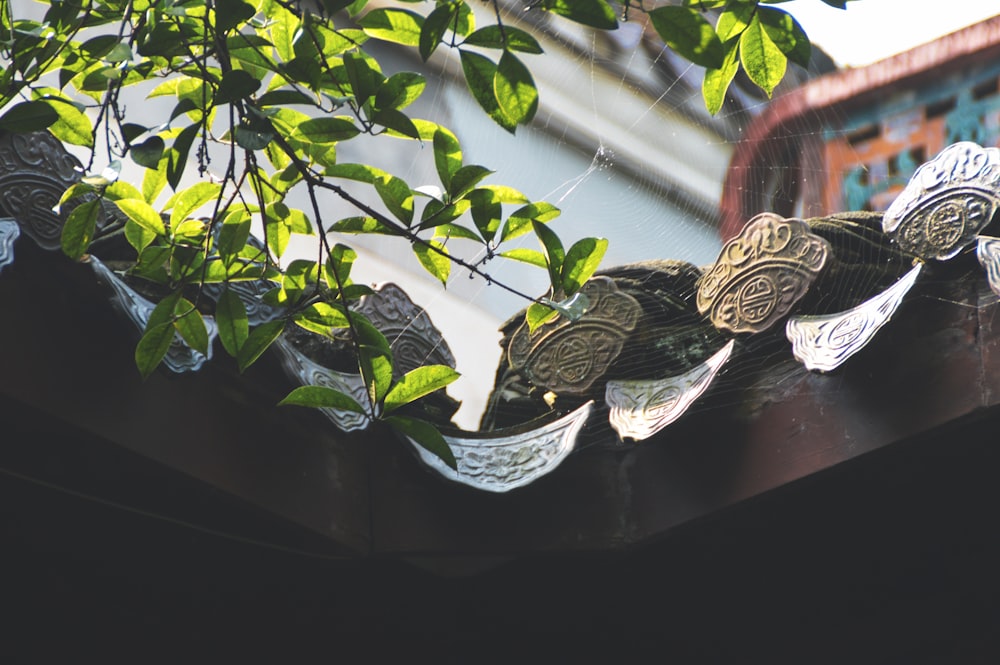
{"points": [[278, 86]]}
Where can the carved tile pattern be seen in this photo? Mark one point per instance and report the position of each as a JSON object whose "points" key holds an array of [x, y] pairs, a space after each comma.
{"points": [[640, 409], [9, 232], [947, 202], [180, 357], [568, 357], [761, 273], [503, 463], [35, 170], [988, 253], [414, 339], [309, 373], [825, 342]]}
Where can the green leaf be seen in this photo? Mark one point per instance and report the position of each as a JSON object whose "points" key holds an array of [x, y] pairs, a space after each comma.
{"points": [[434, 262], [148, 153], [337, 269], [734, 20], [397, 196], [448, 230], [594, 13], [257, 342], [508, 37], [153, 345], [191, 326], [763, 61], [28, 117], [520, 220], [188, 200], [359, 172], [326, 130], [515, 89], [234, 233], [525, 255], [142, 214], [486, 212], [447, 155], [437, 213], [374, 359], [581, 261], [73, 126], [79, 228], [688, 33], [322, 318], [396, 122], [283, 27], [416, 384], [235, 86], [465, 179], [554, 252], [787, 34], [425, 435], [363, 74], [400, 90], [399, 26], [231, 317], [321, 397], [178, 153], [230, 13], [480, 73], [717, 81], [362, 225], [433, 29], [538, 314], [153, 182]]}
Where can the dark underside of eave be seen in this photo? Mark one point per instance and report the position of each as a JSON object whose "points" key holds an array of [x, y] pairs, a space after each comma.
{"points": [[885, 559], [854, 524]]}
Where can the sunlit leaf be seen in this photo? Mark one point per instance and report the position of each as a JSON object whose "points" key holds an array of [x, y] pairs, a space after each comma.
{"points": [[763, 61], [73, 125], [416, 384], [188, 200], [153, 345], [595, 13], [525, 255], [465, 179], [397, 196], [717, 81], [538, 314], [687, 32], [142, 214], [433, 256], [425, 435], [257, 342], [554, 252], [399, 26], [321, 397], [326, 130], [520, 220], [515, 89], [509, 37], [787, 34], [447, 155], [582, 259], [231, 317], [480, 73], [191, 326], [433, 29], [79, 228]]}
